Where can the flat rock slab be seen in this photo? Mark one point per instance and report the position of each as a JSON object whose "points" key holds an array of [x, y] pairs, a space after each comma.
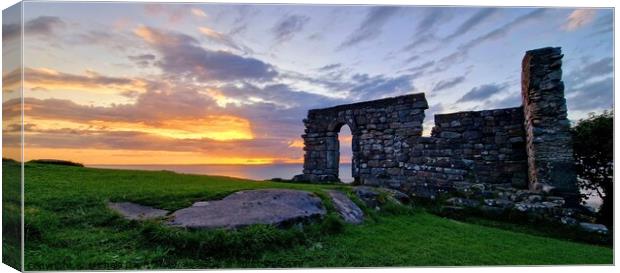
{"points": [[271, 206], [594, 228], [347, 209], [132, 211]]}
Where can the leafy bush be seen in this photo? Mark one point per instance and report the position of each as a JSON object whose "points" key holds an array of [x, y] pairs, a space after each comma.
{"points": [[593, 149]]}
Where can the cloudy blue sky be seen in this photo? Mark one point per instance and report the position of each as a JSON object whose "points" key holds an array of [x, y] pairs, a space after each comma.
{"points": [[225, 83]]}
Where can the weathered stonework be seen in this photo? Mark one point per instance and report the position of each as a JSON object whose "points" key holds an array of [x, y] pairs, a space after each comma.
{"points": [[469, 148], [379, 128], [549, 148], [526, 147]]}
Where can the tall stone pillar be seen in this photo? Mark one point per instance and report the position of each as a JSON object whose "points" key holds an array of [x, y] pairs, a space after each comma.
{"points": [[549, 144]]}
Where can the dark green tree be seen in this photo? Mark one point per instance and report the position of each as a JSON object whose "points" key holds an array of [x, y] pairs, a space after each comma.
{"points": [[593, 149]]}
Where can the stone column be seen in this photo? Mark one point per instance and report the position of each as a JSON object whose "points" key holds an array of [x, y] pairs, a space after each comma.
{"points": [[549, 144], [320, 157]]}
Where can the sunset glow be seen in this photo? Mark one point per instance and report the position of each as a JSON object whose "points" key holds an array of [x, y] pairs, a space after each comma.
{"points": [[135, 83]]}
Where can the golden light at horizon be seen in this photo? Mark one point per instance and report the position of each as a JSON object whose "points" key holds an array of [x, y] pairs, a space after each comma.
{"points": [[221, 128], [91, 156]]}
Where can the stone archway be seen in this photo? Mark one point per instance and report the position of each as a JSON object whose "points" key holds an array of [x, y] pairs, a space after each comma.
{"points": [[379, 128], [354, 149]]}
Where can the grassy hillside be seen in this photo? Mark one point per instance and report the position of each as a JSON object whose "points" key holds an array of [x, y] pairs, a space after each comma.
{"points": [[69, 227], [11, 213]]}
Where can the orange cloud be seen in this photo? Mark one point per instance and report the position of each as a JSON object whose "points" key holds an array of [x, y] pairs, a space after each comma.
{"points": [[221, 128], [579, 18], [155, 37], [198, 12], [297, 143], [50, 79], [220, 99], [210, 32]]}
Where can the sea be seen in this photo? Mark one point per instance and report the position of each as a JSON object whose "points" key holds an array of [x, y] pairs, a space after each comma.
{"points": [[266, 172], [254, 172]]}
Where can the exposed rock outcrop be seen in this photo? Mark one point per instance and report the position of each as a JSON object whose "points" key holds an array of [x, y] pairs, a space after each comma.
{"points": [[278, 207], [347, 209]]}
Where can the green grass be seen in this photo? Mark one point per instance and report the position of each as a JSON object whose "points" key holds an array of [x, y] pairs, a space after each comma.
{"points": [[11, 213], [68, 227]]}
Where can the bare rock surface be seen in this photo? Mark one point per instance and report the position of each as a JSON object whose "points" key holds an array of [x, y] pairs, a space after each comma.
{"points": [[371, 195], [132, 211], [348, 210], [594, 228], [367, 194], [269, 206]]}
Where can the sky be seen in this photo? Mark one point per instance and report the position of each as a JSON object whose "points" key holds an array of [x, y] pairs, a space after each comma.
{"points": [[138, 83]]}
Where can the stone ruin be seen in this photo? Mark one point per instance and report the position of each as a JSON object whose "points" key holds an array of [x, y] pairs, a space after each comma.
{"points": [[526, 147]]}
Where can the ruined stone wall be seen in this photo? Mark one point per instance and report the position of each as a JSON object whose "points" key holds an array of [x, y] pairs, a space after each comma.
{"points": [[549, 147], [521, 147], [467, 148], [379, 129]]}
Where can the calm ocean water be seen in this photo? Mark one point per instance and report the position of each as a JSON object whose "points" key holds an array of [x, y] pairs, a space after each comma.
{"points": [[255, 172]]}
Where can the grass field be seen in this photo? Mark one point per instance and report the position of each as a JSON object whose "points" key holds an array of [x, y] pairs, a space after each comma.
{"points": [[69, 227]]}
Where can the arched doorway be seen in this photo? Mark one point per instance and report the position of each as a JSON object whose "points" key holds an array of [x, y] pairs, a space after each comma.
{"points": [[345, 162]]}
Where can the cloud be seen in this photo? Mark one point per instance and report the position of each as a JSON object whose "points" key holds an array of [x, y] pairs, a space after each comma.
{"points": [[590, 86], [483, 92], [420, 40], [359, 86], [103, 37], [115, 147], [449, 83], [370, 27], [503, 30], [374, 87], [50, 79], [315, 36], [182, 109], [424, 33], [463, 50], [422, 67], [162, 101], [279, 96], [587, 72], [599, 68], [578, 19], [10, 31], [604, 24], [329, 67], [41, 26], [286, 28], [512, 100], [412, 59], [181, 55], [431, 19], [198, 12], [472, 22], [592, 96], [240, 23], [142, 60], [224, 39], [174, 13]]}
